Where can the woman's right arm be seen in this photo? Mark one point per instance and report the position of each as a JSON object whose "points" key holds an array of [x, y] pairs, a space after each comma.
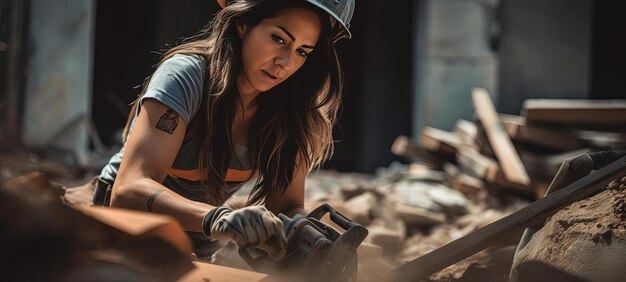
{"points": [[150, 151]]}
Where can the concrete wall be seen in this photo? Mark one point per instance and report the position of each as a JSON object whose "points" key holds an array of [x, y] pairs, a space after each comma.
{"points": [[453, 56], [545, 51], [59, 68]]}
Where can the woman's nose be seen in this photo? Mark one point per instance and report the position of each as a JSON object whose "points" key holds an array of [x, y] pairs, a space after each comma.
{"points": [[284, 61]]}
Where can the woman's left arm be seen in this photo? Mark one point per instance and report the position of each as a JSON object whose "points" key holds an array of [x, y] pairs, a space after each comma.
{"points": [[292, 202]]}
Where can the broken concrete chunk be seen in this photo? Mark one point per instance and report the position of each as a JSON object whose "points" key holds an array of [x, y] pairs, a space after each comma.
{"points": [[388, 235], [453, 201], [372, 264], [362, 207], [351, 190], [430, 196], [418, 217]]}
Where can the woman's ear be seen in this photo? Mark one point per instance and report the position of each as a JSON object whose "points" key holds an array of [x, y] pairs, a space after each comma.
{"points": [[242, 28]]}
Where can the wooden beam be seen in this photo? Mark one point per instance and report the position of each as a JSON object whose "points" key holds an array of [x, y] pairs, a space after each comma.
{"points": [[499, 139], [575, 112], [403, 147], [218, 273], [453, 252], [466, 132], [543, 137], [440, 141]]}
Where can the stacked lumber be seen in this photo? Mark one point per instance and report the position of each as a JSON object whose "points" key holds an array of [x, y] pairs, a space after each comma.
{"points": [[518, 154]]}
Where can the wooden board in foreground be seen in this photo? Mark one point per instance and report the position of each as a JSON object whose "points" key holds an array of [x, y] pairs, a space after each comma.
{"points": [[218, 273], [499, 139], [140, 224]]}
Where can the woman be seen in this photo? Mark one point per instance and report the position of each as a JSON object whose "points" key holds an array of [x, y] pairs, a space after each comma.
{"points": [[254, 95]]}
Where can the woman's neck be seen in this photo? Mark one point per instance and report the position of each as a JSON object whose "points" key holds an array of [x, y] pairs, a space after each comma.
{"points": [[247, 93]]}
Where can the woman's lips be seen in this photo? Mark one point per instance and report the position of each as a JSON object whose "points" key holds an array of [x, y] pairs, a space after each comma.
{"points": [[270, 76]]}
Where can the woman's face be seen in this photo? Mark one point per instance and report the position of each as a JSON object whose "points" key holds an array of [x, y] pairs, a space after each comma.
{"points": [[276, 48]]}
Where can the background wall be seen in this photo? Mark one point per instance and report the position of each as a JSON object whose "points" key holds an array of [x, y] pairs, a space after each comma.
{"points": [[410, 64]]}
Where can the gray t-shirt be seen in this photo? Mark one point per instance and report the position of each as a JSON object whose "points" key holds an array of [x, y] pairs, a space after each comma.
{"points": [[178, 84]]}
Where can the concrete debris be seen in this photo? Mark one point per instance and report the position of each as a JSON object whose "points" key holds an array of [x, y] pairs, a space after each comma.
{"points": [[430, 196], [362, 207], [370, 257], [409, 213], [418, 217], [389, 235]]}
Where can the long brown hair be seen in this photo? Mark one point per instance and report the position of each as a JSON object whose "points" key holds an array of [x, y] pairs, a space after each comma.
{"points": [[294, 120]]}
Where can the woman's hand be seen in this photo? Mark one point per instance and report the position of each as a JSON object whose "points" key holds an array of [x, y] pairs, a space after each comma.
{"points": [[249, 226]]}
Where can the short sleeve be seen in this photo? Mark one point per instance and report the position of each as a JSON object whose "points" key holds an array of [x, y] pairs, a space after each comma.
{"points": [[177, 83]]}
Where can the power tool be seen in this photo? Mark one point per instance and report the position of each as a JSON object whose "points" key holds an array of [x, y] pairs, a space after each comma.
{"points": [[315, 251]]}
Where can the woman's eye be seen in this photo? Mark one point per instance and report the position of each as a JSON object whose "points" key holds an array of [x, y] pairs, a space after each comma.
{"points": [[302, 53], [278, 39]]}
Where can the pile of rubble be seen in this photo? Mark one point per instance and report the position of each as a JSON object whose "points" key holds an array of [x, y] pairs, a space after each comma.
{"points": [[409, 211], [461, 181], [518, 154]]}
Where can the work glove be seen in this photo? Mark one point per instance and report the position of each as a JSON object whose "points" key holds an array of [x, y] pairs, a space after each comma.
{"points": [[249, 226]]}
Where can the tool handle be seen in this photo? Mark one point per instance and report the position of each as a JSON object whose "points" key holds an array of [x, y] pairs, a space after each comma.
{"points": [[335, 216]]}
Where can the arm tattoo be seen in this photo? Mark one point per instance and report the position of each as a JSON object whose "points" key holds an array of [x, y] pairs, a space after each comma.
{"points": [[168, 121], [152, 198]]}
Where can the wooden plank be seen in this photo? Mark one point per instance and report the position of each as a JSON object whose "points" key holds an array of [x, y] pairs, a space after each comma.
{"points": [[459, 249], [574, 112], [499, 139], [140, 224], [403, 147], [440, 141], [218, 273], [481, 142], [542, 137], [466, 131], [484, 167], [476, 164]]}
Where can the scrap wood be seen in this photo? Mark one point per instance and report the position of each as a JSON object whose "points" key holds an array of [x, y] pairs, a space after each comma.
{"points": [[453, 252], [218, 273], [476, 164], [466, 131], [481, 166], [499, 139], [404, 148], [575, 112], [520, 132], [440, 141], [467, 184], [140, 224]]}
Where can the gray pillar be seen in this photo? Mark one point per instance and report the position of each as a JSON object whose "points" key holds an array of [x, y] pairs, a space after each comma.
{"points": [[452, 57], [59, 80]]}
